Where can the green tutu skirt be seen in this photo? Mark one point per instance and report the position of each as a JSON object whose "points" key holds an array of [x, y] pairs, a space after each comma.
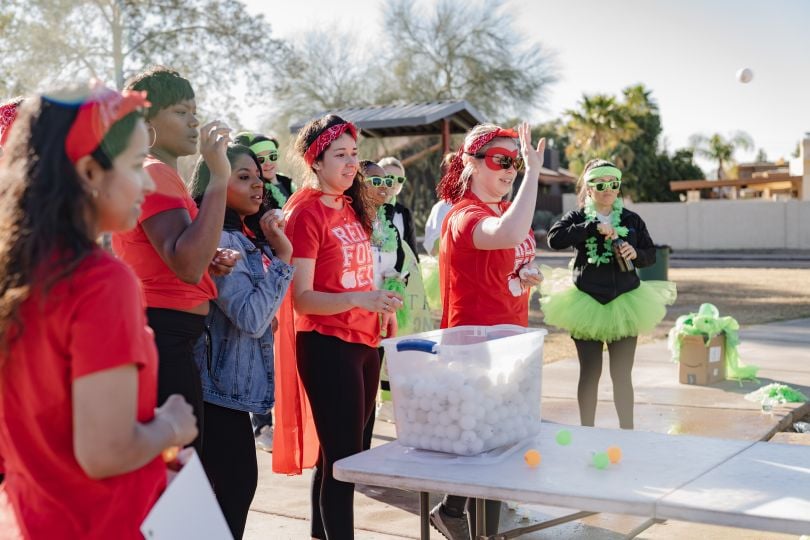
{"points": [[630, 314]]}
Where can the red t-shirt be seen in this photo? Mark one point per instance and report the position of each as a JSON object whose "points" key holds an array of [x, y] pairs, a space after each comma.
{"points": [[90, 322], [480, 287], [343, 263], [162, 287]]}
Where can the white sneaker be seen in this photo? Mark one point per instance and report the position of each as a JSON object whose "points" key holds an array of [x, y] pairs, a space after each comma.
{"points": [[385, 412], [264, 440]]}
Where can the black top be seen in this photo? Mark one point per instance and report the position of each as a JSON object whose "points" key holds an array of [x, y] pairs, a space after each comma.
{"points": [[389, 214], [604, 282], [285, 184], [408, 233]]}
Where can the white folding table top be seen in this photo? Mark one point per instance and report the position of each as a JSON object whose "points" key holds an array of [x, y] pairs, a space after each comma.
{"points": [[653, 465], [765, 487]]}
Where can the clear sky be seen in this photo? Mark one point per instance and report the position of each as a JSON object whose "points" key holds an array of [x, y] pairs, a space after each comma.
{"points": [[686, 51]]}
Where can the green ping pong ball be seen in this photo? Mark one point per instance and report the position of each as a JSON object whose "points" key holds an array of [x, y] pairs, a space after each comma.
{"points": [[601, 460], [564, 437]]}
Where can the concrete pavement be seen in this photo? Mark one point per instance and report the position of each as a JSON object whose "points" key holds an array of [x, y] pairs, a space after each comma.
{"points": [[782, 350]]}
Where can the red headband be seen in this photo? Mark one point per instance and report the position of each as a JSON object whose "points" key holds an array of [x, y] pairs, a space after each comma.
{"points": [[450, 187], [103, 108], [8, 113], [327, 137]]}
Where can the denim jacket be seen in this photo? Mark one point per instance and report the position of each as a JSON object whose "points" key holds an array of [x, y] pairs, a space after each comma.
{"points": [[235, 354]]}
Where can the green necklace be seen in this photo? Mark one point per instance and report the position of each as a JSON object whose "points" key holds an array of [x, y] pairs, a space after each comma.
{"points": [[275, 193], [591, 244], [383, 234]]}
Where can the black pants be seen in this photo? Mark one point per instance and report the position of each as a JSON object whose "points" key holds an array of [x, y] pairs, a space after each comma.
{"points": [[229, 458], [368, 431], [622, 353], [340, 380], [176, 332]]}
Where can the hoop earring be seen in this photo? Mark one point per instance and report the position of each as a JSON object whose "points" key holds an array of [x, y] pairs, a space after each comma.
{"points": [[154, 140]]}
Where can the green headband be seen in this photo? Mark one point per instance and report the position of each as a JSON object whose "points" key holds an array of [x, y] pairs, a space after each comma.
{"points": [[263, 146], [599, 172]]}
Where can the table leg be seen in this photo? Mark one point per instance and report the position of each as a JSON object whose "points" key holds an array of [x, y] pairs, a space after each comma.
{"points": [[480, 518], [424, 515]]}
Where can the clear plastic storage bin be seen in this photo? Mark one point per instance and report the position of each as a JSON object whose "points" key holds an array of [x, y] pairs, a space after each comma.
{"points": [[468, 389]]}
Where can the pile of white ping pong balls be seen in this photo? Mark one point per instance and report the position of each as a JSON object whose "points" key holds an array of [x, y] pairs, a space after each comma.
{"points": [[462, 408]]}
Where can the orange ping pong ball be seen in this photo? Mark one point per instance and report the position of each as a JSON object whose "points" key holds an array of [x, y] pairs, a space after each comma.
{"points": [[532, 458], [614, 454]]}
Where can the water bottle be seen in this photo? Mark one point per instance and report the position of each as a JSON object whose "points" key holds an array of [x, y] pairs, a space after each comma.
{"points": [[625, 264]]}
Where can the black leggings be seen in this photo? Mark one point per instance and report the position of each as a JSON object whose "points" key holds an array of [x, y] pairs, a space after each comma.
{"points": [[368, 431], [341, 381], [622, 353], [229, 458], [176, 332]]}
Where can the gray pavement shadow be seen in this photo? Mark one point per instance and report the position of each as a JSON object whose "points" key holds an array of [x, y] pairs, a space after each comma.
{"points": [[399, 498]]}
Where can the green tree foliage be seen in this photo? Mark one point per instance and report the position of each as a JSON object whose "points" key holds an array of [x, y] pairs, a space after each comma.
{"points": [[323, 71], [627, 131], [463, 50], [600, 128], [52, 41], [719, 148]]}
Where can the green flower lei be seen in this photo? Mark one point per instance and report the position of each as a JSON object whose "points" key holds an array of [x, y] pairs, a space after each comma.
{"points": [[591, 245], [383, 234], [276, 193]]}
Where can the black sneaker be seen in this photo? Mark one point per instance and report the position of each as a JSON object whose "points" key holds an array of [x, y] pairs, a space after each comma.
{"points": [[452, 528]]}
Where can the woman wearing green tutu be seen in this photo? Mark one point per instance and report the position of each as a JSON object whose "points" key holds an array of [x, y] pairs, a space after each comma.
{"points": [[608, 304]]}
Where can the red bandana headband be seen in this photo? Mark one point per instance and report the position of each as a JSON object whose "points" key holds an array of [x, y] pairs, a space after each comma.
{"points": [[8, 113], [450, 187], [103, 108], [327, 137]]}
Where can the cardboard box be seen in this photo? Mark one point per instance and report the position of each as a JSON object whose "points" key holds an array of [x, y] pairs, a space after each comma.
{"points": [[702, 364]]}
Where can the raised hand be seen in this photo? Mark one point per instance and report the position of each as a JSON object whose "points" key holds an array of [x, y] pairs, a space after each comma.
{"points": [[532, 155], [214, 139]]}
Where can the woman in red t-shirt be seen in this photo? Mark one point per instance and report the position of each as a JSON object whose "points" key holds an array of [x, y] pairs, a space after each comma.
{"points": [[486, 253], [174, 243], [337, 310], [79, 431]]}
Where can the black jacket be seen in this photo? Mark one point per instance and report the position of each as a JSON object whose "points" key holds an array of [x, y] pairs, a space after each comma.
{"points": [[408, 234], [604, 282], [286, 184]]}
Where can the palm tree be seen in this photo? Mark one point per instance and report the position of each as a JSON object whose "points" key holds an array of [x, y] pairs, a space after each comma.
{"points": [[720, 149], [599, 129]]}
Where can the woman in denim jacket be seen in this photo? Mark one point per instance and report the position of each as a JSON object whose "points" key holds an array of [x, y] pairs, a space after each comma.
{"points": [[235, 356]]}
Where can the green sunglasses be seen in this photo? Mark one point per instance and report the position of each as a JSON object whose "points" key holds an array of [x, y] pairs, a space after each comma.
{"points": [[272, 157], [399, 179], [378, 181], [613, 185]]}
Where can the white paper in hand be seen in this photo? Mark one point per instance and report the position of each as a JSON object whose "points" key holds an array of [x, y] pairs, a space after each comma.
{"points": [[187, 509]]}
